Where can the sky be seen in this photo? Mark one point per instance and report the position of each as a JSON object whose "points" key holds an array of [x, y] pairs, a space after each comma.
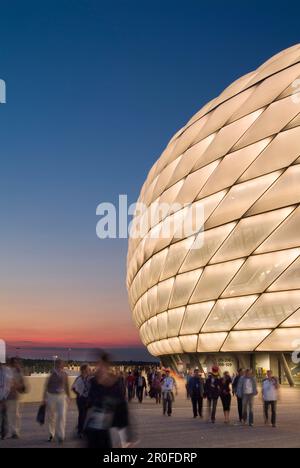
{"points": [[95, 90]]}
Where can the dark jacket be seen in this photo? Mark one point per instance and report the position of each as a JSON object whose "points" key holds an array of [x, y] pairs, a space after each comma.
{"points": [[196, 387], [212, 388]]}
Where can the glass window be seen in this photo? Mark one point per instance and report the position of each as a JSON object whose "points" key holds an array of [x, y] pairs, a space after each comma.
{"points": [[281, 340], [270, 310], [248, 234], [259, 271], [183, 288], [244, 340], [194, 317], [239, 199], [210, 342], [227, 312]]}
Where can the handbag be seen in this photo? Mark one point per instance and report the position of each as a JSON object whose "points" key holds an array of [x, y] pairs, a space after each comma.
{"points": [[41, 415]]}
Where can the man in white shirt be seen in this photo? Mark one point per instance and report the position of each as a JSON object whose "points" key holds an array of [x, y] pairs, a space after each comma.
{"points": [[270, 388], [167, 388], [5, 387]]}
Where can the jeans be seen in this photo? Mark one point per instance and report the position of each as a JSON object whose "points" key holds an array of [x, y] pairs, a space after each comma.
{"points": [[212, 408], [197, 402], [240, 408], [167, 402], [248, 401], [273, 405]]}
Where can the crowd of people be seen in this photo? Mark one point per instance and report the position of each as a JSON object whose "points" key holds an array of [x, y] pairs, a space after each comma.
{"points": [[102, 398], [224, 387]]}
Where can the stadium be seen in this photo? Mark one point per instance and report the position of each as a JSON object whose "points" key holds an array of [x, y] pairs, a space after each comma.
{"points": [[230, 292]]}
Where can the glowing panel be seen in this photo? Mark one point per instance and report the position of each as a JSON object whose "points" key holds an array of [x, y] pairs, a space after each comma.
{"points": [[232, 284]]}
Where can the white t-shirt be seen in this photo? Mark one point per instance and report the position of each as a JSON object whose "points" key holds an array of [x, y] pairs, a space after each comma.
{"points": [[168, 384], [248, 389], [269, 390]]}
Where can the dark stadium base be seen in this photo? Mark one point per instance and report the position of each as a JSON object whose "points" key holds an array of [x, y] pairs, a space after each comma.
{"points": [[281, 364]]}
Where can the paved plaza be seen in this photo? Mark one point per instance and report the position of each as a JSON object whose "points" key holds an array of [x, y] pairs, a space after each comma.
{"points": [[181, 430]]}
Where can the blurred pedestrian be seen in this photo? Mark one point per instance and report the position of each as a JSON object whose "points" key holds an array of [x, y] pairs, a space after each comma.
{"points": [[212, 391], [130, 382], [226, 383], [156, 387], [107, 408], [5, 387], [188, 377], [141, 387], [81, 388], [18, 387], [235, 384], [56, 394], [196, 392], [167, 388], [270, 386], [247, 390]]}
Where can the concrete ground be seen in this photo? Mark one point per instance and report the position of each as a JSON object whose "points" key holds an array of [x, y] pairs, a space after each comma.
{"points": [[181, 430]]}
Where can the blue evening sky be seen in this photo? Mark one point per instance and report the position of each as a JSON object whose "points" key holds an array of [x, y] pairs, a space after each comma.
{"points": [[95, 89]]}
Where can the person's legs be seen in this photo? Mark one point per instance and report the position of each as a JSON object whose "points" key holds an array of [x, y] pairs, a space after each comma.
{"points": [[266, 411], [164, 396], [240, 408], [170, 402], [274, 411], [209, 403], [200, 406], [51, 410], [3, 420], [245, 407], [251, 413], [214, 409], [82, 410], [61, 409], [194, 404], [13, 416]]}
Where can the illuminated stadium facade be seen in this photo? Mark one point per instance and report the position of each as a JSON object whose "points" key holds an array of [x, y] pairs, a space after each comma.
{"points": [[234, 299]]}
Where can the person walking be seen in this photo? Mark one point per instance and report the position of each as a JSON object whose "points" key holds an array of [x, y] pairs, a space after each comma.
{"points": [[56, 393], [156, 387], [167, 388], [141, 387], [247, 390], [187, 384], [81, 388], [212, 391], [130, 381], [235, 384], [226, 383], [107, 408], [5, 387], [196, 392], [270, 386], [13, 400]]}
